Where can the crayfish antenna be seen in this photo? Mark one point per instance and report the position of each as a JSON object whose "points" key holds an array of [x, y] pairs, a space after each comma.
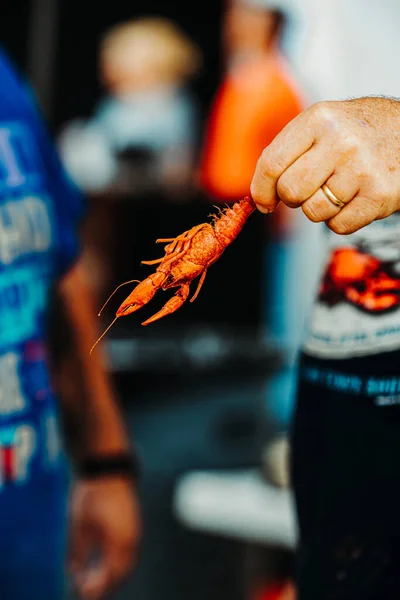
{"points": [[102, 335], [116, 289]]}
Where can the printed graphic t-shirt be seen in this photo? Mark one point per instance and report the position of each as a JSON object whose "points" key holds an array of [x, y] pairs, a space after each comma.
{"points": [[357, 310], [353, 338], [39, 211]]}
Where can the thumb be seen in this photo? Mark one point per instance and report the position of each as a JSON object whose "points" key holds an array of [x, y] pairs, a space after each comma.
{"points": [[79, 547]]}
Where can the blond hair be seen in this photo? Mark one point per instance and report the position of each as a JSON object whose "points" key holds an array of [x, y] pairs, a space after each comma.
{"points": [[157, 42]]}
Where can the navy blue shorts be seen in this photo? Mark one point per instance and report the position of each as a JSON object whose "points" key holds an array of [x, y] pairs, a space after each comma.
{"points": [[346, 477]]}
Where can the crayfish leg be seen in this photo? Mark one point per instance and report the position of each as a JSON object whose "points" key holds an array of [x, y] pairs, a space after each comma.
{"points": [[202, 278], [152, 262], [172, 305], [165, 259]]}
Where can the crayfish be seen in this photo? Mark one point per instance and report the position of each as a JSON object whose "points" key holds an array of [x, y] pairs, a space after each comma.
{"points": [[187, 256], [356, 276]]}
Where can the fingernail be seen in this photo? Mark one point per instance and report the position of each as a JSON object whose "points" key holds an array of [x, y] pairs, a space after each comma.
{"points": [[263, 209]]}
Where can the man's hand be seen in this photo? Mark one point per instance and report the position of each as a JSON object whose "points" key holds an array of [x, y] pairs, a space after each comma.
{"points": [[353, 146], [105, 535]]}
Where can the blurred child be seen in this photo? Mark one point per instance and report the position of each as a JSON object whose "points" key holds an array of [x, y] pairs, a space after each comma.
{"points": [[147, 118]]}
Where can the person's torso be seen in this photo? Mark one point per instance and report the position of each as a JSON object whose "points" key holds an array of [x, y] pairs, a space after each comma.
{"points": [[256, 99], [28, 268], [346, 48], [357, 310], [154, 120]]}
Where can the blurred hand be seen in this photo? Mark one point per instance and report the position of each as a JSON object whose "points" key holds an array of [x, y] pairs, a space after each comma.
{"points": [[105, 522], [353, 146]]}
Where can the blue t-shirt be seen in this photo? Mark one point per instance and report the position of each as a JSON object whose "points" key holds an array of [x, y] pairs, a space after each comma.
{"points": [[39, 213]]}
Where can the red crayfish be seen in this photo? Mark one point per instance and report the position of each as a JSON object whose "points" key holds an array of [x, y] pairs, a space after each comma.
{"points": [[361, 279], [187, 256]]}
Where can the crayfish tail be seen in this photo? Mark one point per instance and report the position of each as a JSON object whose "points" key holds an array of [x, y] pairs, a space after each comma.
{"points": [[231, 223]]}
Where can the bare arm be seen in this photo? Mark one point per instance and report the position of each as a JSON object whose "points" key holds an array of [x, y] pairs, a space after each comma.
{"points": [[101, 427], [104, 512]]}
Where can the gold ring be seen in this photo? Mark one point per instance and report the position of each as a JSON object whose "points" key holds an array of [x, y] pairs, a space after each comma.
{"points": [[331, 196]]}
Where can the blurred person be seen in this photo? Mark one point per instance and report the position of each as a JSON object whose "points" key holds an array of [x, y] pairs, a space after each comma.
{"points": [[339, 162], [258, 97], [145, 65], [40, 211]]}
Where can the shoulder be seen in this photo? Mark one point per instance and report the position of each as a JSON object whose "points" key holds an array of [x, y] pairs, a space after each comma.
{"points": [[11, 78], [17, 99]]}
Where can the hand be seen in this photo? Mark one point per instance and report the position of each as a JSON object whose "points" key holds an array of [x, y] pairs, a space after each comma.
{"points": [[105, 520], [353, 146]]}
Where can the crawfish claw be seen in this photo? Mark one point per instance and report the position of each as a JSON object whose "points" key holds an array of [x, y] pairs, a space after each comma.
{"points": [[172, 305], [142, 294]]}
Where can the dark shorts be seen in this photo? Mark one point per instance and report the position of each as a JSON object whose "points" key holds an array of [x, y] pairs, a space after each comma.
{"points": [[346, 477], [33, 539]]}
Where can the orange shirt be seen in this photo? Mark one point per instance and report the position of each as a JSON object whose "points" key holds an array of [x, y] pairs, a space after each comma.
{"points": [[255, 101]]}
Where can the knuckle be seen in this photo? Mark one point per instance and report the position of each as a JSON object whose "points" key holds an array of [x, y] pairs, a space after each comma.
{"points": [[288, 191], [382, 195], [350, 144], [387, 209], [375, 205], [312, 212], [360, 173], [323, 112], [338, 226], [269, 166]]}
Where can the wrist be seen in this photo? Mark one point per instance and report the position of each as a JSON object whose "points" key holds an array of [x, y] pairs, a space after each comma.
{"points": [[104, 431], [111, 464]]}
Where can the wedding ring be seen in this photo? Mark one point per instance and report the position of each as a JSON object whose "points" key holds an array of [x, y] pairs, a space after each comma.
{"points": [[331, 196]]}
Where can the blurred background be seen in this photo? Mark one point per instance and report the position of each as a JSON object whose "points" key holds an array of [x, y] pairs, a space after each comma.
{"points": [[160, 111]]}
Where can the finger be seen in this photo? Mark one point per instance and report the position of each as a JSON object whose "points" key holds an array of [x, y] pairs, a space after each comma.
{"points": [[94, 585], [343, 185], [358, 213], [78, 548], [114, 565], [291, 143], [306, 175]]}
